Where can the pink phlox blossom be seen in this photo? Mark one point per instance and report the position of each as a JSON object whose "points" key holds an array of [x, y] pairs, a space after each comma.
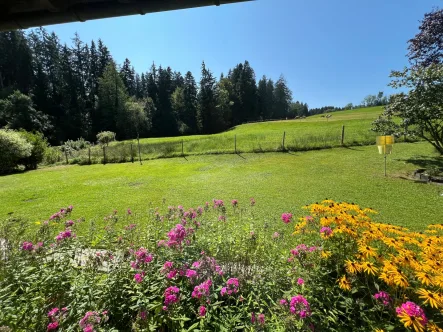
{"points": [[383, 297], [138, 277], [143, 315], [231, 287], [326, 231], [261, 319], [412, 310], [202, 290], [27, 246], [300, 281], [191, 274], [300, 306], [202, 311], [52, 326], [222, 218], [286, 217], [171, 295], [234, 202]]}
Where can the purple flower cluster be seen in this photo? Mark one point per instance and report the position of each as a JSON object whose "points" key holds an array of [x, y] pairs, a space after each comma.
{"points": [[176, 236], [62, 213], [56, 316], [202, 290], [301, 250], [383, 297], [412, 310], [234, 203], [66, 234], [231, 287], [169, 270], [299, 306], [28, 246], [286, 217], [259, 319], [92, 319], [202, 311], [171, 296], [218, 203], [142, 257], [326, 231]]}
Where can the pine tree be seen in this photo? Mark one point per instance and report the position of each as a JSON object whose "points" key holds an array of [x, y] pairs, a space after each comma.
{"points": [[283, 97], [164, 121], [209, 118], [189, 116], [127, 75], [262, 98], [270, 100]]}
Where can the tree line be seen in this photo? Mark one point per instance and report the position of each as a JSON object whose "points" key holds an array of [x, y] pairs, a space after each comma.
{"points": [[78, 90]]}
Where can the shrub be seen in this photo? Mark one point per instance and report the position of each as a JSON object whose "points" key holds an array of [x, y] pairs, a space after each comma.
{"points": [[105, 137], [39, 147], [77, 145], [13, 148]]}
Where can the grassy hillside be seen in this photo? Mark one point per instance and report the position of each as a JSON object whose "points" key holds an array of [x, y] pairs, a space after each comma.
{"points": [[314, 132], [280, 182]]}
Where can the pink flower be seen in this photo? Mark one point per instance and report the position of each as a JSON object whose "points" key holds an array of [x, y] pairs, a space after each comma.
{"points": [[171, 274], [129, 212], [202, 311], [283, 302], [253, 319], [52, 326], [88, 328], [218, 203], [196, 264], [223, 291], [69, 223], [275, 235], [27, 246], [412, 310], [326, 231], [231, 287], [138, 278], [191, 274], [171, 296], [300, 281], [300, 306], [252, 201], [143, 315], [383, 297], [168, 265], [261, 319], [202, 290], [286, 217], [53, 312], [222, 218], [234, 203], [309, 218]]}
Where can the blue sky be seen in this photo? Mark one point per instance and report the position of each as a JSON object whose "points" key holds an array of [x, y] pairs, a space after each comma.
{"points": [[331, 52]]}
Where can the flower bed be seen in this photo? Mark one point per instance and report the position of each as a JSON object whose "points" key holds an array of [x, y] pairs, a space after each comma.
{"points": [[221, 267]]}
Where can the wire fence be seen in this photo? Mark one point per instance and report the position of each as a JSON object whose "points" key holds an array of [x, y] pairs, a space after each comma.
{"points": [[227, 143]]}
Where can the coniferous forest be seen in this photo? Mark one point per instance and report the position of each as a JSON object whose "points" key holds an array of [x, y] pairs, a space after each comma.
{"points": [[78, 90]]}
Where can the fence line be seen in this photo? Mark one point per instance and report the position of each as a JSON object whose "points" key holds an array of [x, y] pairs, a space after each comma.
{"points": [[118, 152]]}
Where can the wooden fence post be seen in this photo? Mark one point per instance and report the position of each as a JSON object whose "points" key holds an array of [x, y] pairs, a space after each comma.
{"points": [[132, 155], [235, 143], [139, 154], [342, 135], [283, 142], [104, 154], [89, 155], [66, 155]]}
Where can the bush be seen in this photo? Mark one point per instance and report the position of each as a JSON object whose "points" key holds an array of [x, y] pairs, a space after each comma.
{"points": [[39, 147], [77, 145], [105, 137], [13, 148]]}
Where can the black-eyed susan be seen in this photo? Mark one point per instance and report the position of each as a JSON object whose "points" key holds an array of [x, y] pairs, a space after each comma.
{"points": [[352, 267], [432, 298], [424, 278], [369, 268], [344, 283]]}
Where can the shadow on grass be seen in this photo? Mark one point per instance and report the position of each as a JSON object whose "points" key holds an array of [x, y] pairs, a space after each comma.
{"points": [[238, 154], [425, 161]]}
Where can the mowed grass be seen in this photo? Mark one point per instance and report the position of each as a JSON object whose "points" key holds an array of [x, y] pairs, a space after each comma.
{"points": [[314, 132], [280, 182]]}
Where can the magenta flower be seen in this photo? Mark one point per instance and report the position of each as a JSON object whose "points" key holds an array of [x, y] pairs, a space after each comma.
{"points": [[89, 328], [27, 246], [53, 312], [231, 287], [253, 318], [261, 319], [300, 281], [143, 315], [202, 311], [202, 290], [283, 302], [191, 274], [171, 296], [286, 217], [52, 326], [383, 297], [299, 306], [234, 203], [326, 231], [129, 212], [221, 218], [69, 223], [309, 218], [138, 278], [171, 274], [412, 310], [66, 234], [218, 203]]}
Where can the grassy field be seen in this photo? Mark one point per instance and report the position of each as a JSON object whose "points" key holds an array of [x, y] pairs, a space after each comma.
{"points": [[314, 132], [280, 182]]}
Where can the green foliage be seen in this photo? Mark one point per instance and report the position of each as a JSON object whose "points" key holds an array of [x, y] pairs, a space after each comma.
{"points": [[76, 145], [105, 137], [420, 109], [13, 148], [39, 147], [138, 120]]}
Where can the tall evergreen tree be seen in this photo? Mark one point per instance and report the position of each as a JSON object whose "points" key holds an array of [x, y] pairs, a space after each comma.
{"points": [[208, 116], [189, 116], [270, 100], [262, 97], [283, 97], [164, 121], [128, 77]]}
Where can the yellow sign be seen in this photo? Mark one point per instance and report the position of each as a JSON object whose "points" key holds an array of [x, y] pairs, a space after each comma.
{"points": [[385, 143]]}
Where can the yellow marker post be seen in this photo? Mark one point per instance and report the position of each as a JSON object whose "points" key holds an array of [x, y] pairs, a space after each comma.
{"points": [[385, 144]]}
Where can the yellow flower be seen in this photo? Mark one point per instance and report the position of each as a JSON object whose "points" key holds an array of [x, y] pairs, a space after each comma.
{"points": [[325, 254], [429, 297], [379, 330], [37, 223], [369, 268], [412, 321], [367, 251], [344, 283], [352, 267], [424, 278], [432, 327], [400, 279]]}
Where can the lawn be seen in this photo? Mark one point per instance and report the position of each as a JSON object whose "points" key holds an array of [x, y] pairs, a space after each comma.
{"points": [[314, 132], [280, 182]]}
